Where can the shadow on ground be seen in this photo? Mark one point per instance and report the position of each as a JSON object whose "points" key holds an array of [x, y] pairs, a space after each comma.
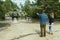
{"points": [[4, 26], [21, 36]]}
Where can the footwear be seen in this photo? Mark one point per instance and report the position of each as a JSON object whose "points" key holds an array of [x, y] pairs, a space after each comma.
{"points": [[41, 36], [44, 35], [51, 33], [48, 32]]}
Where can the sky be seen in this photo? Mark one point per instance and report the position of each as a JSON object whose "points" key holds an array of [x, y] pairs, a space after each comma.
{"points": [[59, 0], [20, 1]]}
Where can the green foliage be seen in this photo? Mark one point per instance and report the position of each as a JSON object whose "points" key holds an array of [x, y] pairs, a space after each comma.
{"points": [[5, 7], [48, 5]]}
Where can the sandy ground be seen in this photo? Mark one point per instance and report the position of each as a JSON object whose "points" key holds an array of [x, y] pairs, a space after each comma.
{"points": [[22, 30]]}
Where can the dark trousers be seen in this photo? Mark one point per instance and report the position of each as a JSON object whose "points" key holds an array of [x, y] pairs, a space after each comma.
{"points": [[43, 30], [12, 18]]}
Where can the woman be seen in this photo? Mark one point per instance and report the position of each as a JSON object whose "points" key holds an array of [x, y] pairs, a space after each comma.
{"points": [[51, 22]]}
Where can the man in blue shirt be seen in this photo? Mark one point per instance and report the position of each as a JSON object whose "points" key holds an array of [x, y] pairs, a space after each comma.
{"points": [[43, 19]]}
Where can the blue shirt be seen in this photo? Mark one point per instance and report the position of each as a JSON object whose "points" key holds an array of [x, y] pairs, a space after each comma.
{"points": [[43, 18]]}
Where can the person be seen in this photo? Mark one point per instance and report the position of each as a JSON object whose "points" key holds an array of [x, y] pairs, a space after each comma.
{"points": [[28, 17], [43, 19], [17, 16], [12, 16], [51, 22]]}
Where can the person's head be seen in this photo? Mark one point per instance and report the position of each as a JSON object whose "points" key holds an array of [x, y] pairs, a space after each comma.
{"points": [[52, 13], [43, 11]]}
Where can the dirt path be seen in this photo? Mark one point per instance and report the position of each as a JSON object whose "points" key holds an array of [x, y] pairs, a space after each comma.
{"points": [[22, 30]]}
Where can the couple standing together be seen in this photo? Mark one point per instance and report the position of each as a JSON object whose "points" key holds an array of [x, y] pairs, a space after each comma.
{"points": [[43, 19]]}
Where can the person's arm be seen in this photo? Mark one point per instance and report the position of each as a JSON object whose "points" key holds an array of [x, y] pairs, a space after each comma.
{"points": [[39, 15]]}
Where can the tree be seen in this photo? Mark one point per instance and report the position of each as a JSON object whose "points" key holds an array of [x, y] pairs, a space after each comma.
{"points": [[6, 6], [27, 7], [50, 5], [39, 5]]}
